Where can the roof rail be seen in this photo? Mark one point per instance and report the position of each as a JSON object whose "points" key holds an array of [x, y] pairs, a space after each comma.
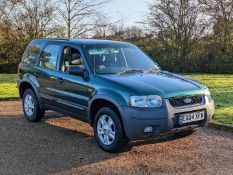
{"points": [[65, 39]]}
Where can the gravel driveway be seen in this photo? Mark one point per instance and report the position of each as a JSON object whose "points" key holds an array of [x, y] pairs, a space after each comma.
{"points": [[62, 145]]}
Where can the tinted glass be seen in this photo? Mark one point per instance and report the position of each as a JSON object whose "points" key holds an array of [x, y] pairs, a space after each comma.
{"points": [[31, 53], [49, 56], [116, 58]]}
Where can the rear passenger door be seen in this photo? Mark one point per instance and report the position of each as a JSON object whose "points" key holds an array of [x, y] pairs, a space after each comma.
{"points": [[45, 71]]}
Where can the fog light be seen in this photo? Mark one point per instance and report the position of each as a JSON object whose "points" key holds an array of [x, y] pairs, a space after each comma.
{"points": [[148, 129]]}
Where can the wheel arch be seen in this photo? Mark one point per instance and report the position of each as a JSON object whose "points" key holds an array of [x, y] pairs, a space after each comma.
{"points": [[24, 85], [28, 84], [102, 101]]}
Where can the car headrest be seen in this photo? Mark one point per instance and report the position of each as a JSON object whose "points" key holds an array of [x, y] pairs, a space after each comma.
{"points": [[76, 56], [66, 51], [76, 62]]}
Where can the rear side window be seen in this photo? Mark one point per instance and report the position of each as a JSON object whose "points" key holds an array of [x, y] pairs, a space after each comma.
{"points": [[31, 53], [49, 56]]}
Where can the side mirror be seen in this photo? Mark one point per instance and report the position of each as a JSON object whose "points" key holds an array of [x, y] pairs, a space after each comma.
{"points": [[76, 70]]}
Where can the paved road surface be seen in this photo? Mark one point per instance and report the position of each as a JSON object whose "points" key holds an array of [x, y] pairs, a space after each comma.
{"points": [[61, 145]]}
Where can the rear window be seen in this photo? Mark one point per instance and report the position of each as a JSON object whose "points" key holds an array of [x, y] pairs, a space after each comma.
{"points": [[31, 53], [49, 56]]}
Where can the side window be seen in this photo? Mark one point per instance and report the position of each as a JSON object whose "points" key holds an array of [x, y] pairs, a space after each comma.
{"points": [[70, 57], [49, 56], [31, 53]]}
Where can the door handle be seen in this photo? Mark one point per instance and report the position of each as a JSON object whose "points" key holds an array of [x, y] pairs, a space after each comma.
{"points": [[60, 80]]}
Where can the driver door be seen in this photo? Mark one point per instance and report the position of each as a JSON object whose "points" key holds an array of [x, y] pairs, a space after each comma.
{"points": [[71, 91]]}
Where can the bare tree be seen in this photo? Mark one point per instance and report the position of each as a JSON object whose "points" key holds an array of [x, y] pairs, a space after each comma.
{"points": [[80, 15], [101, 29], [35, 18], [221, 15], [133, 32], [6, 8], [117, 31], [219, 8], [177, 23]]}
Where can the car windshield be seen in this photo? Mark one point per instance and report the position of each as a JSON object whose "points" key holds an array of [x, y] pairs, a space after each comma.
{"points": [[118, 58]]}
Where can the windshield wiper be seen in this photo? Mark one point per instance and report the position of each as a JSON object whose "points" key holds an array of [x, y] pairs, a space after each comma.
{"points": [[152, 69], [130, 71]]}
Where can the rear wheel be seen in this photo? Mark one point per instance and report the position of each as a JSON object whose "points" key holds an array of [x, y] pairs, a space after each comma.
{"points": [[109, 131], [31, 109]]}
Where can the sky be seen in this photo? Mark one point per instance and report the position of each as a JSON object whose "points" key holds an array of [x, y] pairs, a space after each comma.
{"points": [[131, 11]]}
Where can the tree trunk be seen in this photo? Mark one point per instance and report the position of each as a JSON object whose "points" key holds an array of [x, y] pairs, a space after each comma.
{"points": [[69, 20]]}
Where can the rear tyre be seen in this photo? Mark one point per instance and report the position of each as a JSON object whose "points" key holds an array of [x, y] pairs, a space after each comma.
{"points": [[31, 108], [108, 130]]}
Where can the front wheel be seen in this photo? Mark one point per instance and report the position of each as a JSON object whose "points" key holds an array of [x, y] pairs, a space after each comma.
{"points": [[31, 108], [109, 131]]}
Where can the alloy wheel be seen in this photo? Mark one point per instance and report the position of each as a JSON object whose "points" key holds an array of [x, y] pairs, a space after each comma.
{"points": [[106, 129], [29, 105]]}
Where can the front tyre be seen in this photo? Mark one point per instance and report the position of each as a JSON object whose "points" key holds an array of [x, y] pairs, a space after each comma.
{"points": [[109, 131], [31, 109]]}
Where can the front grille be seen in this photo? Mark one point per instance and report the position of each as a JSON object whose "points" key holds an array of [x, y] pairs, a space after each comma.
{"points": [[186, 101]]}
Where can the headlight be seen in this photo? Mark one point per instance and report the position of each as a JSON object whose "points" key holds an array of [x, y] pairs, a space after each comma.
{"points": [[208, 94], [146, 101]]}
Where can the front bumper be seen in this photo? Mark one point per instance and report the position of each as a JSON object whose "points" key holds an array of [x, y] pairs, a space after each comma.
{"points": [[162, 119]]}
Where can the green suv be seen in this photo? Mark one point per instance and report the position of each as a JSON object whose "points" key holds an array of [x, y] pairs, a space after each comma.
{"points": [[114, 86]]}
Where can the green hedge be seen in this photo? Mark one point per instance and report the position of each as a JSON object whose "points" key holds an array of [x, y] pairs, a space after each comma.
{"points": [[195, 68], [9, 68]]}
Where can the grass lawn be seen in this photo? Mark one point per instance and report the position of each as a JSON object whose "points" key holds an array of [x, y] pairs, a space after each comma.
{"points": [[8, 85], [221, 87]]}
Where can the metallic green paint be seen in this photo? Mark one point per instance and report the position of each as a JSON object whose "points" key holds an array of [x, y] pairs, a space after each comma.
{"points": [[116, 87]]}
